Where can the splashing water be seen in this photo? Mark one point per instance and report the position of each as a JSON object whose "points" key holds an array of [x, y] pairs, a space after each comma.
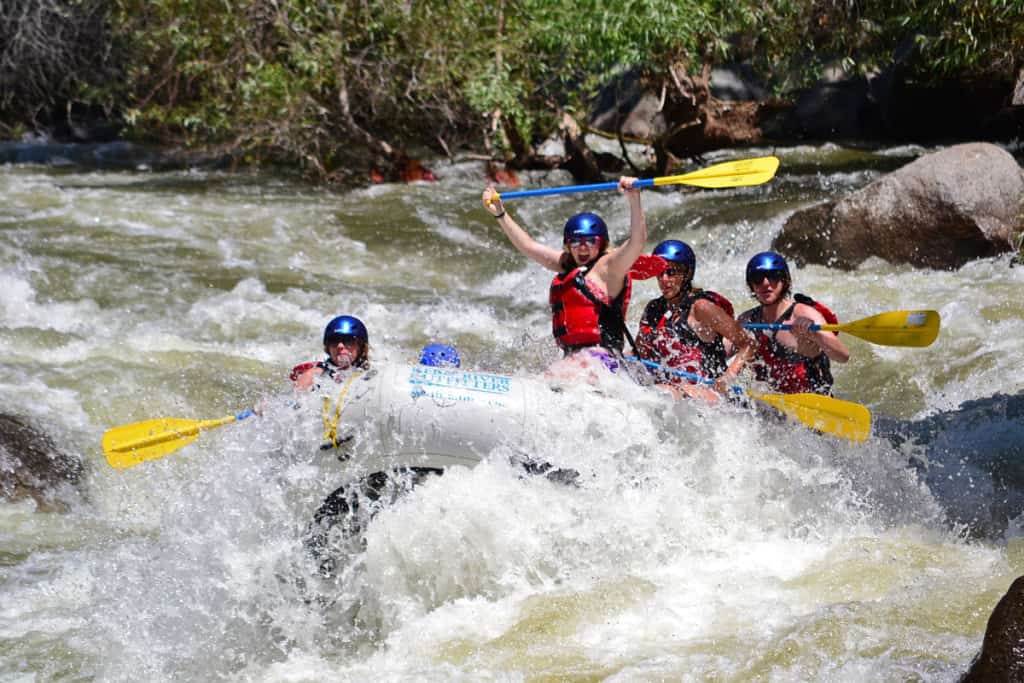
{"points": [[695, 543]]}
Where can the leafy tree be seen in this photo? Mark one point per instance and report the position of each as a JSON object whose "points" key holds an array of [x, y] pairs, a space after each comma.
{"points": [[336, 85]]}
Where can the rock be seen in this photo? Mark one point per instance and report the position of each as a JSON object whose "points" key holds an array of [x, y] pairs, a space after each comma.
{"points": [[626, 108], [1002, 652], [940, 211], [33, 466], [737, 83], [840, 110], [971, 459], [108, 155]]}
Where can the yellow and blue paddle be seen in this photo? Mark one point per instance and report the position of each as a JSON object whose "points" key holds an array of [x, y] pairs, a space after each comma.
{"points": [[131, 444], [844, 419], [740, 173], [895, 328]]}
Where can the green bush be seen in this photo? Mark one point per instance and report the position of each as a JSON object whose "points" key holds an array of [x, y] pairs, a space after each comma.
{"points": [[335, 85]]}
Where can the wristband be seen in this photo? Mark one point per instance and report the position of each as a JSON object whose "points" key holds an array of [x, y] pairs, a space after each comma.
{"points": [[499, 215]]}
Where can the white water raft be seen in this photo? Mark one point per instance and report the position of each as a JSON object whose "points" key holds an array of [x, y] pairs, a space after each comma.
{"points": [[426, 417], [415, 416]]}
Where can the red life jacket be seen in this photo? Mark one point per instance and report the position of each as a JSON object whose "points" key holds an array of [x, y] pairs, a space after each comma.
{"points": [[672, 342], [783, 368], [579, 318]]}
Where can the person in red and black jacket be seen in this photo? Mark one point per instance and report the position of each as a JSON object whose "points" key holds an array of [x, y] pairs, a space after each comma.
{"points": [[799, 359], [688, 328], [590, 292]]}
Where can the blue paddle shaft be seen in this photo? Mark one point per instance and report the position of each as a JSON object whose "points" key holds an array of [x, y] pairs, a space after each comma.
{"points": [[569, 189], [775, 326], [244, 414], [681, 373]]}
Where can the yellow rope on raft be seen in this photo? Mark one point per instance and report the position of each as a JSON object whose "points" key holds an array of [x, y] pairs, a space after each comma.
{"points": [[331, 426]]}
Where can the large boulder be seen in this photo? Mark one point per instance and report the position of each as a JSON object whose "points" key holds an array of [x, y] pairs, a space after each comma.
{"points": [[1002, 652], [940, 211], [33, 466], [970, 458]]}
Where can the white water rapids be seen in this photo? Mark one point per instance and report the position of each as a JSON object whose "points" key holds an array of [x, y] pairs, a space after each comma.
{"points": [[699, 544]]}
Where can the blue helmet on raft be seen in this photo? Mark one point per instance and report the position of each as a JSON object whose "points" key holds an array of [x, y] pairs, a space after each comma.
{"points": [[585, 225], [676, 251], [767, 264], [346, 326], [440, 356]]}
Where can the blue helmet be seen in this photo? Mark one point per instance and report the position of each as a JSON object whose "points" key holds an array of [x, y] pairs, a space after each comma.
{"points": [[585, 225], [767, 262], [440, 356], [677, 252], [346, 326]]}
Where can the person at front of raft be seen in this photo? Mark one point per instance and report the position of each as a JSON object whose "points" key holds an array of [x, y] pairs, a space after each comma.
{"points": [[797, 360], [686, 328], [590, 292], [347, 344]]}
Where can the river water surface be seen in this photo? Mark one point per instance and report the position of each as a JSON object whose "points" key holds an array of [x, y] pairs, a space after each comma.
{"points": [[700, 545]]}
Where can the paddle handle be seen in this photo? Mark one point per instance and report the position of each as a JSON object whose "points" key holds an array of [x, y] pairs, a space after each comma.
{"points": [[570, 189], [787, 326], [681, 373], [244, 414]]}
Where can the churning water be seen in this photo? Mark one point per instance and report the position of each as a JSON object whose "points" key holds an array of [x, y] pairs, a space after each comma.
{"points": [[697, 544]]}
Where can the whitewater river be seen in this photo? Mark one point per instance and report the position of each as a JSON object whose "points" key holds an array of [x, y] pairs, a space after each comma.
{"points": [[701, 544]]}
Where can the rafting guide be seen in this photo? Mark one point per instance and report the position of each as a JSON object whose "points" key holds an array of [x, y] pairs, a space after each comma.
{"points": [[347, 345]]}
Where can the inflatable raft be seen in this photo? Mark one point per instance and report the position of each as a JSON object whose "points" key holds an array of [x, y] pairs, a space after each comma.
{"points": [[389, 428], [417, 416]]}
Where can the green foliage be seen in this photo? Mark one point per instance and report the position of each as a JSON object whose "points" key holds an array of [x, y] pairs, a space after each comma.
{"points": [[315, 81], [932, 39]]}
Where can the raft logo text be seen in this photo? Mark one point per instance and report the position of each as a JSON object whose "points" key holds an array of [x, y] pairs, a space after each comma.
{"points": [[473, 381]]}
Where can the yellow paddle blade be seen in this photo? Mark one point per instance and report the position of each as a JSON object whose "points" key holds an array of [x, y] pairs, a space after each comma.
{"points": [[128, 445], [729, 174], [895, 328], [826, 414]]}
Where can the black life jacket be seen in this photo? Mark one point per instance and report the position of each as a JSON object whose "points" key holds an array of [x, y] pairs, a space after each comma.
{"points": [[671, 341]]}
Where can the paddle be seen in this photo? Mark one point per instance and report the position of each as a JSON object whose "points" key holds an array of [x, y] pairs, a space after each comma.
{"points": [[826, 414], [131, 444], [895, 328], [728, 174]]}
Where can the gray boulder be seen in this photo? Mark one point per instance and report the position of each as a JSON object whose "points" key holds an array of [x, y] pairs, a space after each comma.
{"points": [[939, 211], [970, 458], [32, 465]]}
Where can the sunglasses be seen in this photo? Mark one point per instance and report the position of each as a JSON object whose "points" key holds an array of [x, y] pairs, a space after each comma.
{"points": [[346, 339], [773, 276], [577, 241]]}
